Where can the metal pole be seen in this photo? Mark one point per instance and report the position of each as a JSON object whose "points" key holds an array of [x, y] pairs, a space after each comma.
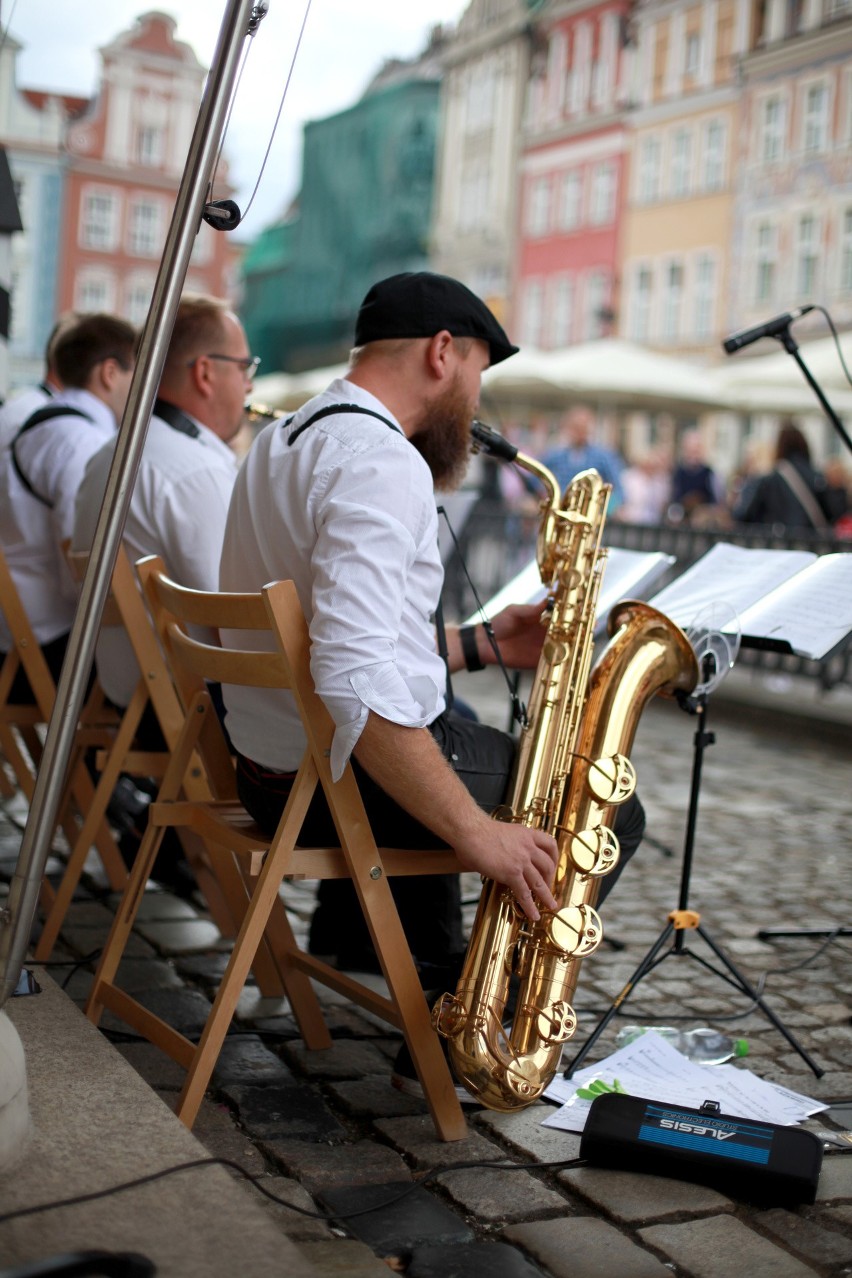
{"points": [[16, 919]]}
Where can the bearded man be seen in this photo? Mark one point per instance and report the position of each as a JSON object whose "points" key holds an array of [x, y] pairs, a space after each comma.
{"points": [[341, 499]]}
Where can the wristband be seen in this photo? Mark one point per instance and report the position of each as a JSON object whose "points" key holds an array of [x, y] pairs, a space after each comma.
{"points": [[470, 652]]}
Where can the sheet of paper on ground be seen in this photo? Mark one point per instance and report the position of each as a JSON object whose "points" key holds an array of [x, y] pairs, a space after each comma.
{"points": [[651, 1068]]}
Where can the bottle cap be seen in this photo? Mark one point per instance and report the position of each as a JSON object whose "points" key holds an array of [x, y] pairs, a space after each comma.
{"points": [[740, 1047]]}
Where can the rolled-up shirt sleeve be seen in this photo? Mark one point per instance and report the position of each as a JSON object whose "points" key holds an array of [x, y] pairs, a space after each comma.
{"points": [[376, 582]]}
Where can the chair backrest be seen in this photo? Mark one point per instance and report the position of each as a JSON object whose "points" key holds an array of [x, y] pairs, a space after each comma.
{"points": [[26, 652]]}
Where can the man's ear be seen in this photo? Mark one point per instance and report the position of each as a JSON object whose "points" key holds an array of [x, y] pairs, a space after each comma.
{"points": [[200, 375], [439, 354], [105, 374]]}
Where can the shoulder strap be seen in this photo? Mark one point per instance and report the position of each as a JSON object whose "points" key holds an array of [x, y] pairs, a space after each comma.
{"points": [[38, 418], [176, 418], [332, 409], [802, 493]]}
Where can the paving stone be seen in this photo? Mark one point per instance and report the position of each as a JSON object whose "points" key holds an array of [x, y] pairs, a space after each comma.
{"points": [[401, 1220], [207, 969], [582, 1247], [375, 1098], [88, 913], [135, 975], [346, 1058], [345, 1257], [835, 1179], [415, 1137], [158, 1070], [298, 1227], [185, 1010], [841, 1216], [161, 906], [632, 1198], [218, 1132], [323, 1166], [180, 936], [248, 1060], [252, 1005], [471, 1260], [293, 1112], [83, 940], [805, 1237], [719, 1246], [497, 1196], [523, 1131]]}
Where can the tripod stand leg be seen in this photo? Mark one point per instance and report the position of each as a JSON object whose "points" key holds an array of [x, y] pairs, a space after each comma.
{"points": [[642, 970], [752, 993]]}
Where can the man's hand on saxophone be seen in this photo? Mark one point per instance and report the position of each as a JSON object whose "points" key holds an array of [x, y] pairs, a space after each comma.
{"points": [[516, 856]]}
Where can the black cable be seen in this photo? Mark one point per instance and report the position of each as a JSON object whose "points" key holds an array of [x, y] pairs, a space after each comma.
{"points": [[836, 337], [432, 1174]]}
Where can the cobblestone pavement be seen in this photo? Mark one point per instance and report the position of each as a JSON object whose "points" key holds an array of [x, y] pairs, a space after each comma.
{"points": [[327, 1131]]}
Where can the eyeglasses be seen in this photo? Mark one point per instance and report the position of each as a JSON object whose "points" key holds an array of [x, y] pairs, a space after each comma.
{"points": [[248, 363]]}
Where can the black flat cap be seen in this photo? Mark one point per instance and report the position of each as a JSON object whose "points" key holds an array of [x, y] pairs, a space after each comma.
{"points": [[421, 304]]}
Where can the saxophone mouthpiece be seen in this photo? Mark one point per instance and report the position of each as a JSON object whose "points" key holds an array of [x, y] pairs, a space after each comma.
{"points": [[486, 440]]}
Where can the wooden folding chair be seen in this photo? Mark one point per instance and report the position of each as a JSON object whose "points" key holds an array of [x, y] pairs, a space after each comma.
{"points": [[268, 861], [20, 742], [126, 610]]}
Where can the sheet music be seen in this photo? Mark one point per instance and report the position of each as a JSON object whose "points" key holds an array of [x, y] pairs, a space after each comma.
{"points": [[732, 576], [627, 575], [812, 611]]}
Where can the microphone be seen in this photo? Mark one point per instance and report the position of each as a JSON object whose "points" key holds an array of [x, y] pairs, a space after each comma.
{"points": [[770, 329]]}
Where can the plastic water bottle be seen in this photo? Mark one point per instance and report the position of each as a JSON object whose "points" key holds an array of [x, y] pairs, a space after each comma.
{"points": [[704, 1046]]}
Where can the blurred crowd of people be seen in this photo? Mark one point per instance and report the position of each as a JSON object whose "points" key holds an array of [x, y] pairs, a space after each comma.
{"points": [[780, 490]]}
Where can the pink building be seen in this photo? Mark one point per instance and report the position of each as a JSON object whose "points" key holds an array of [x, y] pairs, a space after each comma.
{"points": [[125, 160], [572, 177]]}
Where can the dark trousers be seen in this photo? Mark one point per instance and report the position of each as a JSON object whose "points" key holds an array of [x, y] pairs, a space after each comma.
{"points": [[21, 694], [429, 907]]}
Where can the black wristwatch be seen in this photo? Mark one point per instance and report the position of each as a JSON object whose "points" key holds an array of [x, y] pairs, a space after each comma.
{"points": [[470, 652]]}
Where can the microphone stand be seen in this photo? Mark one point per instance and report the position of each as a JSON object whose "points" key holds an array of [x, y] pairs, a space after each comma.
{"points": [[683, 919], [791, 346]]}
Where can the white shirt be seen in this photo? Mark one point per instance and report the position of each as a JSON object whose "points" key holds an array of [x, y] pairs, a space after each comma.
{"points": [[21, 405], [178, 511], [348, 513], [53, 457]]}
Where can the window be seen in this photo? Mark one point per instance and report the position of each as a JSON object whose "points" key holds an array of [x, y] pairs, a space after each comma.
{"points": [[479, 98], [765, 257], [538, 207], [846, 252], [145, 230], [474, 195], [773, 130], [640, 307], [704, 296], [562, 312], [604, 180], [137, 298], [597, 297], [681, 162], [649, 170], [150, 145], [816, 118], [807, 259], [693, 54], [94, 291], [99, 221], [672, 300], [570, 203], [714, 156], [533, 313]]}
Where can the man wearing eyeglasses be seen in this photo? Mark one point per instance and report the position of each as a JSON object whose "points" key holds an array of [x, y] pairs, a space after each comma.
{"points": [[41, 466], [181, 495]]}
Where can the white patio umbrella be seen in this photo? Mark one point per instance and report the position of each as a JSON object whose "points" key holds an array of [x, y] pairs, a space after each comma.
{"points": [[774, 382]]}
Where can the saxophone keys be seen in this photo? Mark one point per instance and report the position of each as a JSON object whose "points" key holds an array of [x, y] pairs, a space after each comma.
{"points": [[575, 930], [612, 779], [594, 851], [556, 1024]]}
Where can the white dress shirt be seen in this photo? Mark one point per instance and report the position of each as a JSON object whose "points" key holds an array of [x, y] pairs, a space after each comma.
{"points": [[53, 457], [348, 513], [178, 511]]}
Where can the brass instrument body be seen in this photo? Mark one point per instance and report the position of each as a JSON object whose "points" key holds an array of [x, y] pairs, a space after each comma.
{"points": [[571, 772]]}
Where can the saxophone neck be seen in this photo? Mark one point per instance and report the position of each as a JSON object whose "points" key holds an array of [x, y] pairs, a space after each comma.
{"points": [[487, 440]]}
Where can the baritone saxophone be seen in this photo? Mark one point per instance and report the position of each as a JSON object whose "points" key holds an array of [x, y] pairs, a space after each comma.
{"points": [[572, 770]]}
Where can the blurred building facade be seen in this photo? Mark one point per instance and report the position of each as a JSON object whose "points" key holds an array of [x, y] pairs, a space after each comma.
{"points": [[363, 212], [97, 181]]}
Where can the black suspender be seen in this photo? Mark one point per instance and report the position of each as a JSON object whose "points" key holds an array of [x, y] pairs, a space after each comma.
{"points": [[176, 418], [330, 411], [38, 418]]}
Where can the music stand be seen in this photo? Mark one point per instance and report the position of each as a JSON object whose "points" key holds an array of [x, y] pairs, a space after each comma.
{"points": [[684, 919]]}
